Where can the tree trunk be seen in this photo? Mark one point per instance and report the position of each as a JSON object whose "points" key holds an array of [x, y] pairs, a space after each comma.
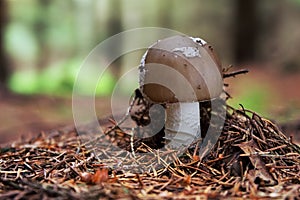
{"points": [[114, 26], [40, 29], [3, 56], [246, 30]]}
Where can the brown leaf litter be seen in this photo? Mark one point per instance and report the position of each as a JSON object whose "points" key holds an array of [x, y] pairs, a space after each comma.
{"points": [[252, 159]]}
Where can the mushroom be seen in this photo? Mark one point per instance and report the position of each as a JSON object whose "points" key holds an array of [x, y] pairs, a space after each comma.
{"points": [[179, 72]]}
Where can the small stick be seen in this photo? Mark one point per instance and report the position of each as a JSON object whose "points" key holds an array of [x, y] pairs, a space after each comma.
{"points": [[243, 71]]}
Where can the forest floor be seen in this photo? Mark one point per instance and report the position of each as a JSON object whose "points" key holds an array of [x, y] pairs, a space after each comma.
{"points": [[251, 159]]}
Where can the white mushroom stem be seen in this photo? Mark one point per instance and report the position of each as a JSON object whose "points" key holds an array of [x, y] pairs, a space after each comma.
{"points": [[182, 124]]}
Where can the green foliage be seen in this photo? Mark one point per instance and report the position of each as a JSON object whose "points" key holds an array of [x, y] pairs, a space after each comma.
{"points": [[58, 79], [254, 97], [24, 82], [106, 84], [51, 79]]}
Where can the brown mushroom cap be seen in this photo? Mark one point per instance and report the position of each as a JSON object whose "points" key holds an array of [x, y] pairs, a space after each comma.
{"points": [[180, 69]]}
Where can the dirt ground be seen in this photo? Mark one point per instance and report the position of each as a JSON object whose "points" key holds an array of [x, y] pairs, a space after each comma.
{"points": [[24, 116]]}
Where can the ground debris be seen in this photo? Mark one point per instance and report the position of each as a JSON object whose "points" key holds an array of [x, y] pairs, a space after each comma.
{"points": [[252, 159]]}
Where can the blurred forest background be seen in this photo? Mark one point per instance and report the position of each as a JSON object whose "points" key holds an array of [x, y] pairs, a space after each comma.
{"points": [[44, 42]]}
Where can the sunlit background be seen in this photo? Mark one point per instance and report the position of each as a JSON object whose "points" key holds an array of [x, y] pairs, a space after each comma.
{"points": [[44, 42]]}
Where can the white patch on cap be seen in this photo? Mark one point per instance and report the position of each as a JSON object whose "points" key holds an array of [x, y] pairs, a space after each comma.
{"points": [[142, 70], [199, 41], [188, 52]]}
